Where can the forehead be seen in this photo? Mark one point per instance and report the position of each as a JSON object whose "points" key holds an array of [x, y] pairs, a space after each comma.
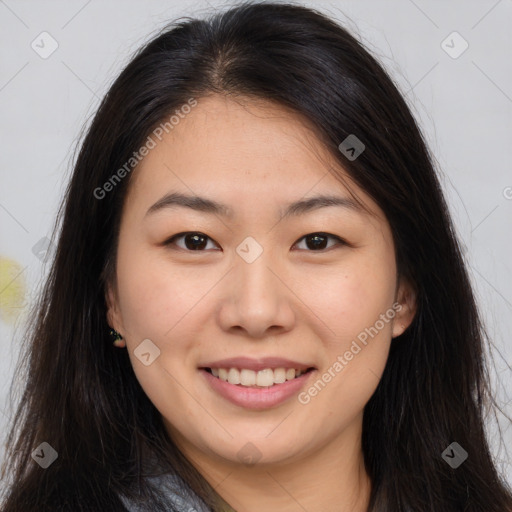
{"points": [[241, 152], [222, 133]]}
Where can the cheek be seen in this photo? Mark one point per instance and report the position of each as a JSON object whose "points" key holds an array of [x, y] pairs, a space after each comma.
{"points": [[154, 295], [353, 363], [355, 304], [351, 298], [155, 303], [357, 307]]}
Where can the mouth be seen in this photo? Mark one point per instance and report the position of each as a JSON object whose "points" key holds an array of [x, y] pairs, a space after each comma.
{"points": [[264, 378], [256, 383]]}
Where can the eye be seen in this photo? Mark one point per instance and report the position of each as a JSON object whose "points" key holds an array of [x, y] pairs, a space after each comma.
{"points": [[317, 241], [194, 241]]}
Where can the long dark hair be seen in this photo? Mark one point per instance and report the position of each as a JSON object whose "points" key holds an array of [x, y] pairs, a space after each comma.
{"points": [[81, 395]]}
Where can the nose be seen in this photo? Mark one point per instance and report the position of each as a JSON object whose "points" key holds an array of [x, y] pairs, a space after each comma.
{"points": [[257, 299]]}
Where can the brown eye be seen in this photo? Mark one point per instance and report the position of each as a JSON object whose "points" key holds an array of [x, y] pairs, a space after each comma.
{"points": [[196, 241], [193, 241], [318, 241]]}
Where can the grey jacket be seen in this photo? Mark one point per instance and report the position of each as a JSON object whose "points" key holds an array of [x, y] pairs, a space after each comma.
{"points": [[178, 494]]}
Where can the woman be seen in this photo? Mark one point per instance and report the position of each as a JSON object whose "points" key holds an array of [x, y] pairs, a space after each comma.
{"points": [[255, 219]]}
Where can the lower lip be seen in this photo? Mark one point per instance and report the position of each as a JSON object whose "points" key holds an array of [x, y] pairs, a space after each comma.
{"points": [[257, 398]]}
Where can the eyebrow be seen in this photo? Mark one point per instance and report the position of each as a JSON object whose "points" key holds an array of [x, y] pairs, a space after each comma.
{"points": [[205, 205]]}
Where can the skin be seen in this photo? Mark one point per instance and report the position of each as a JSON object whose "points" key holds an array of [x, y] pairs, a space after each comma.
{"points": [[294, 301]]}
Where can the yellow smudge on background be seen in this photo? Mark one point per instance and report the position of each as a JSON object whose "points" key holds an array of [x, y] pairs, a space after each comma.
{"points": [[13, 290]]}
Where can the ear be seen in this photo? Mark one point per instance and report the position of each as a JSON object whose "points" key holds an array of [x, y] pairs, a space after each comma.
{"points": [[406, 297], [113, 315]]}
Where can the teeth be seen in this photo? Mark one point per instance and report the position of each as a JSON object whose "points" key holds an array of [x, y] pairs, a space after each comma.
{"points": [[279, 375], [266, 377], [262, 378], [247, 377], [233, 376]]}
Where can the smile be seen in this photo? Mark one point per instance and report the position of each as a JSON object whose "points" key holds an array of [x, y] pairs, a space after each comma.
{"points": [[265, 378], [258, 389]]}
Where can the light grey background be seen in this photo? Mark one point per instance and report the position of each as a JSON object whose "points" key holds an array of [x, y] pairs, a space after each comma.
{"points": [[464, 105]]}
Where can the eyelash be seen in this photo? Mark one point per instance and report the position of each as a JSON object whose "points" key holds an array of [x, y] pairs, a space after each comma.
{"points": [[170, 241]]}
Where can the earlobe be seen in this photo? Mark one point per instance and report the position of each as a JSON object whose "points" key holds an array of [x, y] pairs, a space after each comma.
{"points": [[406, 297]]}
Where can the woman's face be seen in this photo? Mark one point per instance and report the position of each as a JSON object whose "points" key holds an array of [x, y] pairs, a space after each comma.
{"points": [[253, 285]]}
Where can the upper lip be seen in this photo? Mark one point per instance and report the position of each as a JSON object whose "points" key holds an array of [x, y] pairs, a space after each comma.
{"points": [[257, 364]]}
